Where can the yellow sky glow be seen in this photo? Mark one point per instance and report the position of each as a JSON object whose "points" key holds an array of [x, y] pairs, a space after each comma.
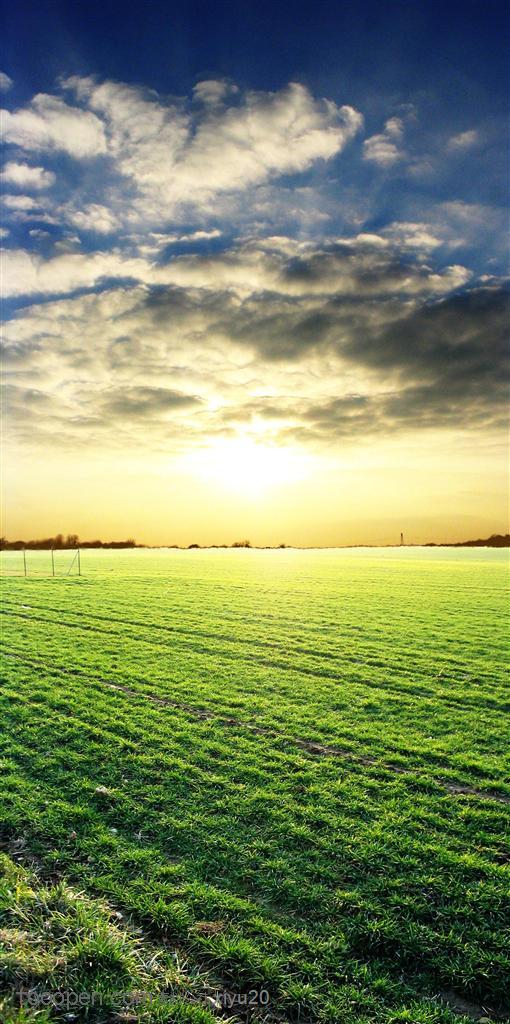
{"points": [[232, 489]]}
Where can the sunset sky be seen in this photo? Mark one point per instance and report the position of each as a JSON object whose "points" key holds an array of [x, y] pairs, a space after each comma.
{"points": [[254, 271]]}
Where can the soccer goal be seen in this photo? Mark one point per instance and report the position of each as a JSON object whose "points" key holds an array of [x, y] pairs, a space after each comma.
{"points": [[36, 562]]}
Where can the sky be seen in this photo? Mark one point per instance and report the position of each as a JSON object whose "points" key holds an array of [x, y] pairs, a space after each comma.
{"points": [[255, 271]]}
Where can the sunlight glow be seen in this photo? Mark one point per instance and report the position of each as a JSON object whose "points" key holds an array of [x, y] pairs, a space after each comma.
{"points": [[246, 466]]}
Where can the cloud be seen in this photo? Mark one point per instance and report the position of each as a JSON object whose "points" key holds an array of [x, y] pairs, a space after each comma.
{"points": [[460, 384], [479, 225], [156, 241], [464, 140], [349, 267], [451, 368], [177, 154], [6, 83], [409, 410], [450, 226], [469, 214], [357, 267], [49, 124], [173, 325], [21, 203], [322, 344], [26, 273], [384, 149], [200, 236], [214, 91], [409, 235], [24, 176], [144, 402], [458, 343], [165, 159], [93, 217]]}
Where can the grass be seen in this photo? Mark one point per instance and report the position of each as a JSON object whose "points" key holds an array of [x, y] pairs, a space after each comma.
{"points": [[57, 940], [286, 770]]}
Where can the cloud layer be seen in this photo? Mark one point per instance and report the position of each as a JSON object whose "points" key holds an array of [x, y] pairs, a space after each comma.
{"points": [[155, 304], [173, 153], [342, 342]]}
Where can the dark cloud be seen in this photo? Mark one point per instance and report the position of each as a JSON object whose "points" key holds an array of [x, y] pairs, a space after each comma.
{"points": [[90, 418], [18, 400], [145, 402], [277, 331], [460, 338], [412, 409], [366, 266], [458, 343], [424, 350], [449, 360]]}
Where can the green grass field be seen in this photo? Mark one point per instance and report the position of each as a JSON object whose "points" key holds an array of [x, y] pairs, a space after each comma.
{"points": [[243, 777]]}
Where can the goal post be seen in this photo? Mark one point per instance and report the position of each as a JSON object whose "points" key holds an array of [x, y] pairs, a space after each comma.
{"points": [[40, 562]]}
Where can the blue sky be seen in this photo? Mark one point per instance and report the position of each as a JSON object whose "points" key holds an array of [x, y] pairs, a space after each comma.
{"points": [[372, 51], [236, 220], [440, 69]]}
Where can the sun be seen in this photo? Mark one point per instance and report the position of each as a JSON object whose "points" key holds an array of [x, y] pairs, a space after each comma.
{"points": [[247, 466]]}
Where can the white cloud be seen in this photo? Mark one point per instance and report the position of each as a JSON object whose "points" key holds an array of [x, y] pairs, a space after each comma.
{"points": [[25, 273], [4, 232], [278, 133], [422, 168], [394, 128], [201, 236], [6, 83], [384, 149], [465, 140], [169, 159], [410, 235], [473, 224], [24, 176], [48, 123], [213, 91], [70, 243], [93, 217], [181, 156], [366, 238], [471, 214], [153, 244], [21, 203]]}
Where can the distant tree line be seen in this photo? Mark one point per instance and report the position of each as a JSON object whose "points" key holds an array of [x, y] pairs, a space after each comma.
{"points": [[72, 540], [59, 542], [236, 544], [496, 540]]}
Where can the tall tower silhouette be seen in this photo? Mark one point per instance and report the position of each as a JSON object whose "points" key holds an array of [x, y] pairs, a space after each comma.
{"points": [[401, 540]]}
